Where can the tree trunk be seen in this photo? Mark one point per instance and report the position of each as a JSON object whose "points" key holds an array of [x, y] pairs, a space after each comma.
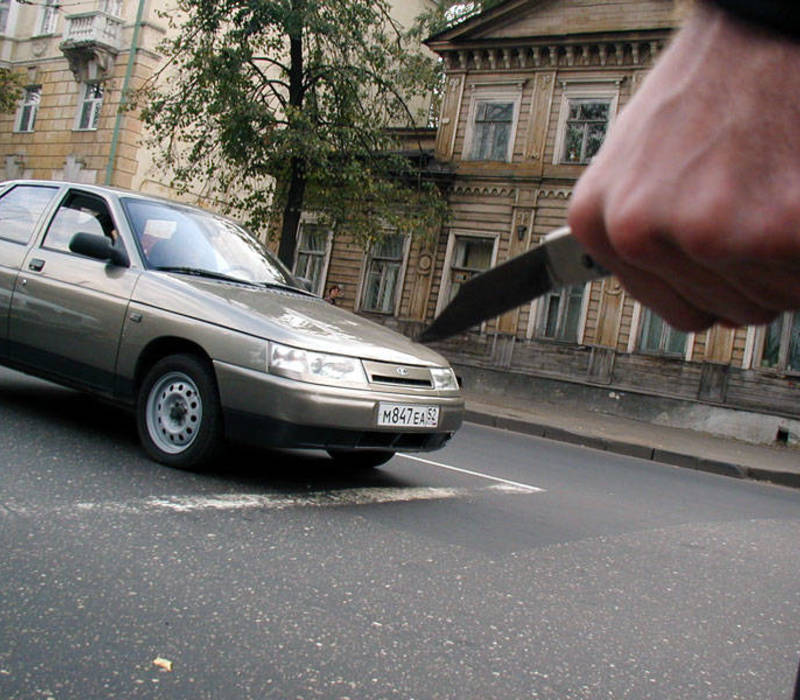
{"points": [[291, 213], [296, 190]]}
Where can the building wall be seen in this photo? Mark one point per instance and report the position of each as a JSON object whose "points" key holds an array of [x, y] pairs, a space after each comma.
{"points": [[537, 54]]}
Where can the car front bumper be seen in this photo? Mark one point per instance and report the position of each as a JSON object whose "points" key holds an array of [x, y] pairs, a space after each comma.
{"points": [[269, 410]]}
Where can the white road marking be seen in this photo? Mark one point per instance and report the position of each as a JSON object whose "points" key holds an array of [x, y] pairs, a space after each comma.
{"points": [[515, 484], [265, 501]]}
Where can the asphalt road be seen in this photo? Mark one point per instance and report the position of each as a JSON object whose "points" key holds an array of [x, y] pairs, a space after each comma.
{"points": [[503, 566]]}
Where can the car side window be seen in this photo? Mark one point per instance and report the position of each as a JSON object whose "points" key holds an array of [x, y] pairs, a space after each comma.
{"points": [[79, 213], [20, 209]]}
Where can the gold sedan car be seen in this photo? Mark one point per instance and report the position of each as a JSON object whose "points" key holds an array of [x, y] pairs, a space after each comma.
{"points": [[185, 316]]}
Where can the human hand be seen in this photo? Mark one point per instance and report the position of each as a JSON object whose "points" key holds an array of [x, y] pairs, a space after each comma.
{"points": [[694, 199]]}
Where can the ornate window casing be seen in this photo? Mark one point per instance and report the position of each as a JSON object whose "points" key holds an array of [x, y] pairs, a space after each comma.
{"points": [[313, 254], [89, 106], [492, 122], [28, 109], [561, 315], [777, 346], [586, 113], [468, 254], [383, 274]]}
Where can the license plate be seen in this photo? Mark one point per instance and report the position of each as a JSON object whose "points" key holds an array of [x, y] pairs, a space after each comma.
{"points": [[405, 416]]}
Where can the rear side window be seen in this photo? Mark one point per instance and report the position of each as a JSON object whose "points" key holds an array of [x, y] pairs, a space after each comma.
{"points": [[20, 209]]}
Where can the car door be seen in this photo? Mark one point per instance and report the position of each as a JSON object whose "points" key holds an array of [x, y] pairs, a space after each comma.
{"points": [[21, 208], [67, 310]]}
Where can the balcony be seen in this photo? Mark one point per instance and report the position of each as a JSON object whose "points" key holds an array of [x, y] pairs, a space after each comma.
{"points": [[91, 42]]}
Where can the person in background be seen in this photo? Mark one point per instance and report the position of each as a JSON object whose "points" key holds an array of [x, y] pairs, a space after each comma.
{"points": [[333, 294]]}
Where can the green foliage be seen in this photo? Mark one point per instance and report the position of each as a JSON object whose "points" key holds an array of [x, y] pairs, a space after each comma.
{"points": [[10, 90], [270, 106]]}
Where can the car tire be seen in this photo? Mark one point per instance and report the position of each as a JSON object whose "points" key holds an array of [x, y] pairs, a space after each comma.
{"points": [[178, 413], [356, 460]]}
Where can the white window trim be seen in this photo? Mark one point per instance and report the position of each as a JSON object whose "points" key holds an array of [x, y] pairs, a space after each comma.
{"points": [[11, 19], [444, 286], [756, 348], [583, 90], [492, 93], [51, 8], [536, 318], [21, 108], [401, 278], [311, 221], [82, 101]]}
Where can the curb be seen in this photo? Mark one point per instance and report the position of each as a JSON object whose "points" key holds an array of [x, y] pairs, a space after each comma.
{"points": [[632, 449]]}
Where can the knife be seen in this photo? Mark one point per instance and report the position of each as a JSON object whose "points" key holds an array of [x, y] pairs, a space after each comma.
{"points": [[559, 261]]}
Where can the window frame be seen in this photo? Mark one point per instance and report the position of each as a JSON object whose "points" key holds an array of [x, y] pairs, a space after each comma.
{"points": [[781, 366], [587, 90], [640, 316], [492, 93], [539, 316], [325, 255], [96, 105], [47, 21], [446, 282], [33, 109], [402, 267]]}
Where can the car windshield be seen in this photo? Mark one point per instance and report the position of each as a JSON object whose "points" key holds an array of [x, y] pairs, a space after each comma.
{"points": [[185, 239]]}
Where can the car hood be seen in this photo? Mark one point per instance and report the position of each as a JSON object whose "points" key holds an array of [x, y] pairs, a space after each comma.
{"points": [[280, 315]]}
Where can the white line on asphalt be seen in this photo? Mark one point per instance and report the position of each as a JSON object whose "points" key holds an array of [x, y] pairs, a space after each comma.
{"points": [[515, 484], [265, 501]]}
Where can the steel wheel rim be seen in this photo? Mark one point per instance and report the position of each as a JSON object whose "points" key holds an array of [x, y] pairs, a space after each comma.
{"points": [[174, 412]]}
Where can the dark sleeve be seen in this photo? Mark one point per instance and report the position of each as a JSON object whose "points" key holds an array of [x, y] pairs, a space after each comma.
{"points": [[778, 15]]}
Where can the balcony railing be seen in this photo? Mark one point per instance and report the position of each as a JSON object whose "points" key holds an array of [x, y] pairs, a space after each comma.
{"points": [[93, 28]]}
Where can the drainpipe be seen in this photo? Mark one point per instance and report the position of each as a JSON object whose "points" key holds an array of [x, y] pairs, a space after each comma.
{"points": [[112, 156]]}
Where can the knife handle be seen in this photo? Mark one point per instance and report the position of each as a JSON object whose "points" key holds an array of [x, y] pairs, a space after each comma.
{"points": [[567, 261]]}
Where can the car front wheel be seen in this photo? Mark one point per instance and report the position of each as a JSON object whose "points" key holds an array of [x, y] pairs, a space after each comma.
{"points": [[178, 413]]}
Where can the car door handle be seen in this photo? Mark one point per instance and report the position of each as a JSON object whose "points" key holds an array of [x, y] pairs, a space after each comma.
{"points": [[36, 264]]}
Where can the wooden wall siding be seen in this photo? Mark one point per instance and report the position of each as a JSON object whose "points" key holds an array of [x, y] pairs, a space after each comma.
{"points": [[586, 16], [657, 375], [550, 359], [347, 259], [626, 324], [763, 392]]}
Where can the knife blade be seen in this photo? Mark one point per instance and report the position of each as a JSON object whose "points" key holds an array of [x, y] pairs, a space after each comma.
{"points": [[559, 261]]}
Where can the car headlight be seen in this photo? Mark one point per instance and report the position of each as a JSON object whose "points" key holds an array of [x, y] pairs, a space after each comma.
{"points": [[316, 367], [444, 379]]}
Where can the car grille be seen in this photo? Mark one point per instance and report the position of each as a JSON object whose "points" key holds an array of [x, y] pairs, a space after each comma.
{"points": [[391, 374]]}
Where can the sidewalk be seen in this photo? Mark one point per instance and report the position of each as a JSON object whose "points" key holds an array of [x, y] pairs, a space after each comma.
{"points": [[674, 446]]}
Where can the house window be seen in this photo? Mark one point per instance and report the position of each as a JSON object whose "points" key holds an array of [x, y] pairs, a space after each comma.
{"points": [[656, 336], [586, 128], [89, 107], [311, 254], [5, 6], [111, 7], [492, 129], [561, 314], [382, 281], [471, 256], [48, 17], [29, 108], [781, 348]]}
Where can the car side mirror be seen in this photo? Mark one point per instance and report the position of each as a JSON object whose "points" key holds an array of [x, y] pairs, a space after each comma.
{"points": [[98, 247]]}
